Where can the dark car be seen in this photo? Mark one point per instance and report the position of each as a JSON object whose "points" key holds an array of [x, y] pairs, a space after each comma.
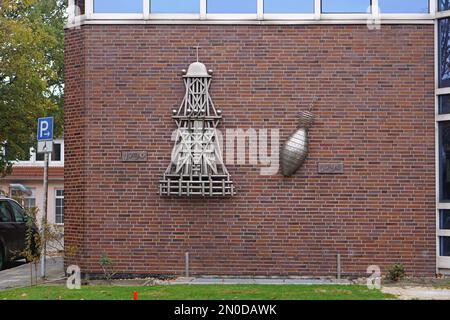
{"points": [[13, 231]]}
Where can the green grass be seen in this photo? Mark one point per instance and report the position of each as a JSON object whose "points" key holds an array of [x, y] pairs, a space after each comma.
{"points": [[199, 292]]}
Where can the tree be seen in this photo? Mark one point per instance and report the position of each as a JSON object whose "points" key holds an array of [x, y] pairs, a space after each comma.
{"points": [[31, 72]]}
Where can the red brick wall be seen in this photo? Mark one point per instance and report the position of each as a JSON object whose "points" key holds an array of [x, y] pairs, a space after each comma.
{"points": [[376, 115]]}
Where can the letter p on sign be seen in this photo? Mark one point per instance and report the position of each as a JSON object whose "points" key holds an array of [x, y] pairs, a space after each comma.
{"points": [[45, 129]]}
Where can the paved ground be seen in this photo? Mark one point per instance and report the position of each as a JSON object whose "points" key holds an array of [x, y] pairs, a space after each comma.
{"points": [[418, 293], [19, 275]]}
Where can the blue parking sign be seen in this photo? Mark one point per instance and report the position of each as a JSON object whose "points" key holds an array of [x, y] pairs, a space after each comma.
{"points": [[45, 129]]}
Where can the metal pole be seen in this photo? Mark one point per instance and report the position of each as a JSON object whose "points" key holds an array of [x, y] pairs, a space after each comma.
{"points": [[44, 216]]}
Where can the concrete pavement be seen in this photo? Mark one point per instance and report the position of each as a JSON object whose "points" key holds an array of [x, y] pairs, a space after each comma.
{"points": [[19, 275]]}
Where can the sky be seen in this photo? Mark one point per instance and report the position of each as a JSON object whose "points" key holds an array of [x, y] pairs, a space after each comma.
{"points": [[249, 6]]}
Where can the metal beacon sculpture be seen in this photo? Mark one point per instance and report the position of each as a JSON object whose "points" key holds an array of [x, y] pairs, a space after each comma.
{"points": [[197, 167], [296, 147]]}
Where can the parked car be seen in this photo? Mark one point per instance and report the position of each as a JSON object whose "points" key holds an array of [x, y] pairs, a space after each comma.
{"points": [[13, 231]]}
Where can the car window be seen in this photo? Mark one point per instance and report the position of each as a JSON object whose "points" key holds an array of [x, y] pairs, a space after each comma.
{"points": [[5, 214], [19, 214]]}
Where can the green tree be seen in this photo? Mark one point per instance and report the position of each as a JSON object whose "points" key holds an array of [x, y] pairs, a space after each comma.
{"points": [[31, 72]]}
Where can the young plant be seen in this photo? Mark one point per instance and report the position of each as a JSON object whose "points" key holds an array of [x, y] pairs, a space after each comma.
{"points": [[108, 267], [396, 272]]}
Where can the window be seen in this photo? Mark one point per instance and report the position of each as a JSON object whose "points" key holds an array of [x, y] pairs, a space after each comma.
{"points": [[118, 6], [19, 214], [79, 7], [59, 206], [29, 200], [175, 6], [5, 214], [444, 53], [404, 6], [346, 6], [231, 6], [444, 5], [444, 160], [289, 6], [57, 152], [444, 220], [444, 104], [444, 246]]}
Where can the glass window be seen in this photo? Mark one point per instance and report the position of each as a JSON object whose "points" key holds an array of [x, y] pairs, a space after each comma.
{"points": [[59, 206], [445, 246], [56, 154], [444, 53], [444, 5], [28, 200], [288, 6], [5, 213], [444, 220], [118, 6], [19, 213], [79, 7], [444, 104], [444, 161], [231, 6], [175, 6], [404, 6], [346, 6]]}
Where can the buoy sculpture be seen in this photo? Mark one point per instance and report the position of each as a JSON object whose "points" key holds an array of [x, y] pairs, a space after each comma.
{"points": [[296, 148], [197, 167]]}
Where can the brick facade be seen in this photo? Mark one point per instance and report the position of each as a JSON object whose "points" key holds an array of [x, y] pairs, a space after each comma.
{"points": [[376, 116]]}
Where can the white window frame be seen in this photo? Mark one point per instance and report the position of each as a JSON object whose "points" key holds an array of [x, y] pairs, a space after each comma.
{"points": [[441, 262], [56, 198], [259, 17], [34, 162]]}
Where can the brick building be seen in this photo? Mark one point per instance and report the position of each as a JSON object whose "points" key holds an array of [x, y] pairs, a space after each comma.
{"points": [[382, 118]]}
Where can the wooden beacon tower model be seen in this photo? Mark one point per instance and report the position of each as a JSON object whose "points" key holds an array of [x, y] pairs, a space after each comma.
{"points": [[197, 167]]}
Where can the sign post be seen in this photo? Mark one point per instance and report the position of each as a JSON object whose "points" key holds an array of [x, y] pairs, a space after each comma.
{"points": [[45, 146]]}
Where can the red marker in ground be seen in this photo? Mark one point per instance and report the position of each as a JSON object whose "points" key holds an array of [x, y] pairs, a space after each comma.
{"points": [[135, 295]]}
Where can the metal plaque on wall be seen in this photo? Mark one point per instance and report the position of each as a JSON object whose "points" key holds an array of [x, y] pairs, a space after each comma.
{"points": [[331, 168], [134, 156]]}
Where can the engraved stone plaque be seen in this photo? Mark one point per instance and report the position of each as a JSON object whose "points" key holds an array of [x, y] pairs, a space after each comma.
{"points": [[134, 156], [331, 168]]}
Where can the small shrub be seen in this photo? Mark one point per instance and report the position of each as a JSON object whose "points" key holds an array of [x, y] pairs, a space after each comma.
{"points": [[108, 267], [396, 272]]}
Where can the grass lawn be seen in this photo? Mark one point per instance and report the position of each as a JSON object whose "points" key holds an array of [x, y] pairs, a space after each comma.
{"points": [[199, 292]]}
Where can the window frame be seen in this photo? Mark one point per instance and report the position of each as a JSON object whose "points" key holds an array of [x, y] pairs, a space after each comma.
{"points": [[442, 262], [56, 206], [33, 157], [302, 18]]}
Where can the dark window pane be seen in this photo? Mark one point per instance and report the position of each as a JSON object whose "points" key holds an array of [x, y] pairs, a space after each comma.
{"points": [[175, 6], [5, 213], [444, 220], [79, 7], [445, 246], [118, 6], [231, 6], [56, 154], [444, 53], [444, 104], [404, 6], [19, 213], [444, 160], [40, 157], [346, 6], [444, 5], [288, 6]]}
